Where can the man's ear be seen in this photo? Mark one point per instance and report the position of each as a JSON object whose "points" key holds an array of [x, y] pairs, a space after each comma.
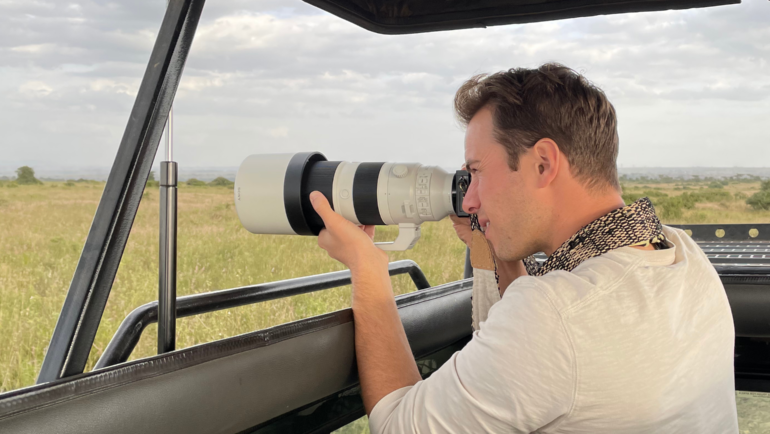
{"points": [[548, 161]]}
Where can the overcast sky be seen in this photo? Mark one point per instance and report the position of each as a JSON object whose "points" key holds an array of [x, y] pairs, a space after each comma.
{"points": [[692, 88]]}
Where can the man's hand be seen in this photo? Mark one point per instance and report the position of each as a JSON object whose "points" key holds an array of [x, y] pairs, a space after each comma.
{"points": [[385, 361], [343, 240], [508, 271], [462, 226]]}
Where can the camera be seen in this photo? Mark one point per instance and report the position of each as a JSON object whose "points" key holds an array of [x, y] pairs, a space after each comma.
{"points": [[272, 194]]}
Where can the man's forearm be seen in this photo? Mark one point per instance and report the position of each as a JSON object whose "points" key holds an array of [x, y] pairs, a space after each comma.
{"points": [[385, 361]]}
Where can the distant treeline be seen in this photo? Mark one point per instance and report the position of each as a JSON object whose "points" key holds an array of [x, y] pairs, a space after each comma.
{"points": [[25, 175], [694, 179], [192, 182], [672, 207]]}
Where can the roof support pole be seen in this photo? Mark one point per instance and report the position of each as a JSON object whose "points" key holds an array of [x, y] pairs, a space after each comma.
{"points": [[91, 284]]}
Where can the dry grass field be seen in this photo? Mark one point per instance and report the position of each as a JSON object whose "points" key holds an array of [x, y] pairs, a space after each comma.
{"points": [[43, 227]]}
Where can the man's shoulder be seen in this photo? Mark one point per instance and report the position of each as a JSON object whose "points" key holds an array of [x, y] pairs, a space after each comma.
{"points": [[626, 268], [594, 276], [567, 289]]}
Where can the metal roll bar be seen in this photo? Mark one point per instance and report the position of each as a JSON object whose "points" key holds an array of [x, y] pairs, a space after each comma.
{"points": [[79, 319], [130, 330]]}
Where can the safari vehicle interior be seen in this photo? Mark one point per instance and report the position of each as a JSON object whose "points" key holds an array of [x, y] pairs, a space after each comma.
{"points": [[298, 377]]}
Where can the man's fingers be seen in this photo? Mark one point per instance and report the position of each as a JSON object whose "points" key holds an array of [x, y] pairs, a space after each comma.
{"points": [[369, 229], [323, 239], [460, 220], [322, 207]]}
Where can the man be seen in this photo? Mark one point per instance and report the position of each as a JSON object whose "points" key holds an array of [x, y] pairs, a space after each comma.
{"points": [[625, 328]]}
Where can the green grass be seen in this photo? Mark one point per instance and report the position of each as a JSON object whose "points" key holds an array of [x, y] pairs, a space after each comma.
{"points": [[44, 227]]}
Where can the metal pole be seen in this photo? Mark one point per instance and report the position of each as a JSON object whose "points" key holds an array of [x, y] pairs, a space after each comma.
{"points": [[167, 265], [468, 272]]}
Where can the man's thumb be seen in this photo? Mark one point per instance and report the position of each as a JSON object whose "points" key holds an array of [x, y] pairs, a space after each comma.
{"points": [[320, 204]]}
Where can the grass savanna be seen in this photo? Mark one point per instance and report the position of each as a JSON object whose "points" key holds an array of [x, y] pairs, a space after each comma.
{"points": [[43, 227]]}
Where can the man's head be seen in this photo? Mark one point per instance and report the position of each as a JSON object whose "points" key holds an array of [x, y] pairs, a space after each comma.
{"points": [[541, 145]]}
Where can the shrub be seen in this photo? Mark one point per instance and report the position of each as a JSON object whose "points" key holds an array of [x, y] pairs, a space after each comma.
{"points": [[671, 211], [714, 195], [671, 207], [192, 182], [760, 200], [25, 175], [630, 198], [654, 193], [221, 182]]}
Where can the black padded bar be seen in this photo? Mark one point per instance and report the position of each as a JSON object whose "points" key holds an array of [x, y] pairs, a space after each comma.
{"points": [[130, 330], [91, 284], [749, 296]]}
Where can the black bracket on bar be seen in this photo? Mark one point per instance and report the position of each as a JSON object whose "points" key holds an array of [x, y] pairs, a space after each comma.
{"points": [[130, 330], [757, 232], [79, 319]]}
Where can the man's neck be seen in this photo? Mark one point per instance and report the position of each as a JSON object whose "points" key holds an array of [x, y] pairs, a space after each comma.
{"points": [[578, 211]]}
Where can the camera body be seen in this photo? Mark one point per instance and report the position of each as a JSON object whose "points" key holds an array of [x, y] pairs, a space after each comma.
{"points": [[272, 194]]}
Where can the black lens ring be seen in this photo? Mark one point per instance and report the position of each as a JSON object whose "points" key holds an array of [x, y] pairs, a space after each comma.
{"points": [[292, 191], [317, 176], [365, 193]]}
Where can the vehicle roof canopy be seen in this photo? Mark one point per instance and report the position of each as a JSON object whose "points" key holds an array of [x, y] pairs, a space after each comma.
{"points": [[415, 16]]}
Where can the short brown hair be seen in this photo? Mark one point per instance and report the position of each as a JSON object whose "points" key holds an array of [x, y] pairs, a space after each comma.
{"points": [[553, 102]]}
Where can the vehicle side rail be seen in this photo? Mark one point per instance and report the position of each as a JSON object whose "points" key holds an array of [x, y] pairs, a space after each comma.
{"points": [[241, 383], [127, 336]]}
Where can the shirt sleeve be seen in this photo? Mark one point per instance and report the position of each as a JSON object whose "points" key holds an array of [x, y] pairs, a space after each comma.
{"points": [[516, 375]]}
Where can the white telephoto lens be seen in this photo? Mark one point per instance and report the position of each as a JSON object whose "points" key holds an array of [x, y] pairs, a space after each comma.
{"points": [[272, 194]]}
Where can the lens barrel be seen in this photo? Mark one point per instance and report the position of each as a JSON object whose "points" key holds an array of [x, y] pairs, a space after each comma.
{"points": [[272, 192]]}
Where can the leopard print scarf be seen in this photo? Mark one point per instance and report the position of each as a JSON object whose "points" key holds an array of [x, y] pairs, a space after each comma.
{"points": [[635, 224]]}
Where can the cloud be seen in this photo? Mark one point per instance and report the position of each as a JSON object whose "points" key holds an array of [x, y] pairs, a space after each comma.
{"points": [[35, 89], [283, 76]]}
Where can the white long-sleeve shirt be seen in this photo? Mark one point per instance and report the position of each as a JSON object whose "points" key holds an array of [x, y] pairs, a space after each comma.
{"points": [[632, 341]]}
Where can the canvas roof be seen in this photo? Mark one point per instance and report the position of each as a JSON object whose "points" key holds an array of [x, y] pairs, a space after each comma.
{"points": [[417, 16]]}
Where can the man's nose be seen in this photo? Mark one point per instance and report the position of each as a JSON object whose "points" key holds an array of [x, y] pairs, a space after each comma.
{"points": [[471, 203]]}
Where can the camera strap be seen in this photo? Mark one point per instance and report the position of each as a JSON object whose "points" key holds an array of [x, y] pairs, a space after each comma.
{"points": [[634, 224]]}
